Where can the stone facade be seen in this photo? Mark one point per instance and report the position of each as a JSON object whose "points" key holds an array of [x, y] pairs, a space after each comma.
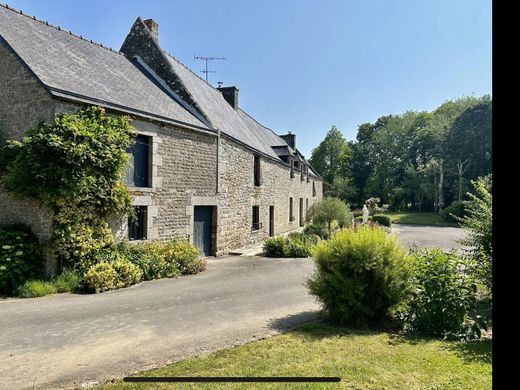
{"points": [[188, 168], [23, 103]]}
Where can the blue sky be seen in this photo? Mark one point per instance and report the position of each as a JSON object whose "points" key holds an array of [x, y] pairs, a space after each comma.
{"points": [[305, 65]]}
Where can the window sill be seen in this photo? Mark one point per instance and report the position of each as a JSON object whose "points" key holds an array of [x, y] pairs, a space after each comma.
{"points": [[141, 189]]}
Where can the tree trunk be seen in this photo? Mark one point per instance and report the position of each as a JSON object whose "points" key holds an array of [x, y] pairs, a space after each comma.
{"points": [[441, 186], [435, 186], [461, 169]]}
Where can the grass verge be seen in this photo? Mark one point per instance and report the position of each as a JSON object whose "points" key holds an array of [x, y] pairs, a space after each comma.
{"points": [[362, 359]]}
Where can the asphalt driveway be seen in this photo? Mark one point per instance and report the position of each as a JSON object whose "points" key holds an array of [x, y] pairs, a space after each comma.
{"points": [[70, 340], [445, 238]]}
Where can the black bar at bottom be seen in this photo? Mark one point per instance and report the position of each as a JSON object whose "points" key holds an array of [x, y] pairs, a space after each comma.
{"points": [[230, 379]]}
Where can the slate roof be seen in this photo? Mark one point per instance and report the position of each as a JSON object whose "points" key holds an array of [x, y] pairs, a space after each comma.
{"points": [[78, 69], [70, 66]]}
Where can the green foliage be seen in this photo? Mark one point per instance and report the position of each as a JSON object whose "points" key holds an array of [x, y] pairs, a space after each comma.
{"points": [[67, 281], [363, 275], [401, 158], [127, 273], [75, 167], [383, 220], [328, 210], [185, 256], [163, 260], [101, 277], [331, 157], [478, 225], [444, 298], [316, 229], [276, 246], [454, 211], [292, 245], [20, 258], [36, 288], [360, 218]]}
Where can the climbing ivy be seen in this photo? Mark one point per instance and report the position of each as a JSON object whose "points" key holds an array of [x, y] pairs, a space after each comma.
{"points": [[75, 167]]}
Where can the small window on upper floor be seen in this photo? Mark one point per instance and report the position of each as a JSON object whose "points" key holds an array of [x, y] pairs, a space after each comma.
{"points": [[139, 167], [256, 170], [313, 188]]}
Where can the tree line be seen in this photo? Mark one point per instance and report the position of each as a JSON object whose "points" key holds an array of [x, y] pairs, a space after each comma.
{"points": [[415, 161]]}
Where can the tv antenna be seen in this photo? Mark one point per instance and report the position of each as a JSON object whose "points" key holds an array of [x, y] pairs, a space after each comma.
{"points": [[206, 71]]}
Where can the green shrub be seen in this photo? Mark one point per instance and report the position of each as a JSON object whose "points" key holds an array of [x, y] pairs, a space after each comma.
{"points": [[319, 230], [184, 256], [36, 288], [149, 257], [478, 226], [127, 273], [327, 211], [101, 277], [454, 211], [444, 297], [362, 277], [20, 258], [383, 220], [67, 281], [276, 246]]}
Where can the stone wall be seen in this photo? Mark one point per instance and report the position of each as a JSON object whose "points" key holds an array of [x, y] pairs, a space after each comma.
{"points": [[23, 103], [237, 196]]}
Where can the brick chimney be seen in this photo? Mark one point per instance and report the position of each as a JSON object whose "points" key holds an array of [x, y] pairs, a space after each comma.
{"points": [[153, 26], [290, 138], [231, 95]]}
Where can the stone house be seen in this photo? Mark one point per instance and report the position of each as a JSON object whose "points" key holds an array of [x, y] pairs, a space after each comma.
{"points": [[202, 168]]}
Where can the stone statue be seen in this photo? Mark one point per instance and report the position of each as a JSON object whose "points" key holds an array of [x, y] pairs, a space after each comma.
{"points": [[365, 213]]}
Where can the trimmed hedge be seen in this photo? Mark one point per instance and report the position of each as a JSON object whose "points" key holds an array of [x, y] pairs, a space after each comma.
{"points": [[293, 245], [383, 220]]}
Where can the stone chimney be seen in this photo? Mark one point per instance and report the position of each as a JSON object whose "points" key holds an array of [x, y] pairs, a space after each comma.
{"points": [[290, 138], [153, 26], [231, 95]]}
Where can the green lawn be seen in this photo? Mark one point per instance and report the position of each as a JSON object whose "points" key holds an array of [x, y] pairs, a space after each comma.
{"points": [[362, 359], [430, 219]]}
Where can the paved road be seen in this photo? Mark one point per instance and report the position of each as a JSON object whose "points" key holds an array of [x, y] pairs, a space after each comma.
{"points": [[429, 236], [66, 340]]}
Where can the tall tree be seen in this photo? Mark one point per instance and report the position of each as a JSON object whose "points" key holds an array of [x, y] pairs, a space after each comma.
{"points": [[331, 158]]}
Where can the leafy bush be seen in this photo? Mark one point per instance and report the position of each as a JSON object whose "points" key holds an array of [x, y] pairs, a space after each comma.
{"points": [[276, 246], [20, 258], [363, 275], [328, 210], [74, 166], [293, 245], [444, 296], [127, 273], [383, 220], [454, 211], [319, 230], [185, 257], [67, 281], [36, 288], [101, 277], [478, 224]]}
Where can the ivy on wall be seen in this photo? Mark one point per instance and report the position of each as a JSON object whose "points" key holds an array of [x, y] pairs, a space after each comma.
{"points": [[75, 167]]}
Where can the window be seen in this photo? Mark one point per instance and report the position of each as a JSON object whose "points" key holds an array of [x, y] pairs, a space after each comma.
{"points": [[256, 218], [313, 188], [291, 214], [306, 205], [256, 173], [138, 170], [302, 173], [137, 224], [292, 168]]}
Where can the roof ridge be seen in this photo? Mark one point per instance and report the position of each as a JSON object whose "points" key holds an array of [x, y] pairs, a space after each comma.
{"points": [[19, 11]]}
